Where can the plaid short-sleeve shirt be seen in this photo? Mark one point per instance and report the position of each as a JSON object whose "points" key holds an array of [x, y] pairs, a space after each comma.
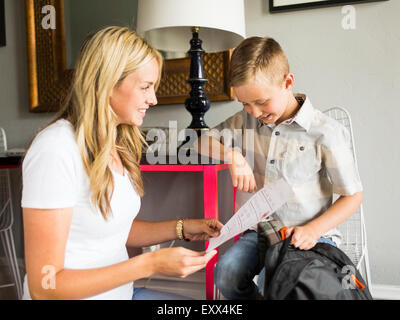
{"points": [[311, 151]]}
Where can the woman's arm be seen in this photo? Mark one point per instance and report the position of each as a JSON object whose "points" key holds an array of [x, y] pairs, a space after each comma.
{"points": [[46, 234], [144, 233]]}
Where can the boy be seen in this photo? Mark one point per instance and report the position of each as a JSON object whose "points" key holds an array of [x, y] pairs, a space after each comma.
{"points": [[290, 139]]}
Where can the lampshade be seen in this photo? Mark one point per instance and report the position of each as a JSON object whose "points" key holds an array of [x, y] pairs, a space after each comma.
{"points": [[166, 23]]}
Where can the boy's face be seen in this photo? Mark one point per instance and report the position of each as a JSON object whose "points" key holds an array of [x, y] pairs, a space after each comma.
{"points": [[265, 101]]}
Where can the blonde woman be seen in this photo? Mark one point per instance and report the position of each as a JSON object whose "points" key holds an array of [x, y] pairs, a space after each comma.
{"points": [[82, 183]]}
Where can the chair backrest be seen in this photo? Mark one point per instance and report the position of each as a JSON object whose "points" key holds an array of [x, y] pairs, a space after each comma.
{"points": [[6, 214], [6, 210], [3, 140], [353, 229]]}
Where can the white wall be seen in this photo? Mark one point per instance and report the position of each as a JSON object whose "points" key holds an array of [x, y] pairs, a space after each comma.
{"points": [[355, 69]]}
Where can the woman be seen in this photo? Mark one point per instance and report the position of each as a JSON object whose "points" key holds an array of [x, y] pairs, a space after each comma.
{"points": [[82, 183]]}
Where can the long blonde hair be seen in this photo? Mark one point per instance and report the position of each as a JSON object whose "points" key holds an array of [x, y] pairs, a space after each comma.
{"points": [[106, 58]]}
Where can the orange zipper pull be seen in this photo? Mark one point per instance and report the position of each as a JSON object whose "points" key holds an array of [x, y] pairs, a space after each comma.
{"points": [[282, 231], [357, 282]]}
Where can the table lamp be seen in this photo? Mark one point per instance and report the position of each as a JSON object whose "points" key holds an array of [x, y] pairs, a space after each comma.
{"points": [[177, 25]]}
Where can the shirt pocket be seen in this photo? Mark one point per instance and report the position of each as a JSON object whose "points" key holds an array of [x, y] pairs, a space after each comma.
{"points": [[301, 162]]}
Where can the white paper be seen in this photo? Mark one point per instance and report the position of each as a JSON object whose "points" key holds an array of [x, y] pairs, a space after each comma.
{"points": [[259, 206]]}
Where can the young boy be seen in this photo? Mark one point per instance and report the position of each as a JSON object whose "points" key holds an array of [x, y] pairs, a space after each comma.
{"points": [[291, 140]]}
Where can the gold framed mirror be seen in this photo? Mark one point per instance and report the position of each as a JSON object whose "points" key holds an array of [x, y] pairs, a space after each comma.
{"points": [[49, 77]]}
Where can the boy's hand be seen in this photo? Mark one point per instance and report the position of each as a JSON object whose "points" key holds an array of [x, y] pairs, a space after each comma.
{"points": [[304, 238], [242, 174]]}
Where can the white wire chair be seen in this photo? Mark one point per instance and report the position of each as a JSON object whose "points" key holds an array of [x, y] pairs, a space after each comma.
{"points": [[6, 223], [353, 229]]}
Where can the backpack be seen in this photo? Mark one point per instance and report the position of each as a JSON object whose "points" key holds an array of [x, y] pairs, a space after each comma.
{"points": [[321, 273]]}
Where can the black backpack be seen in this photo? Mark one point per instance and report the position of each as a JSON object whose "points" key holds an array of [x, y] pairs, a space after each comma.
{"points": [[321, 273]]}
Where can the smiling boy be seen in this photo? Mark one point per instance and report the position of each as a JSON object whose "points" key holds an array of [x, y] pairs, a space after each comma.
{"points": [[291, 140]]}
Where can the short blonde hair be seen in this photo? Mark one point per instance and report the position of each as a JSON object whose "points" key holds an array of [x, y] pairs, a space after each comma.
{"points": [[258, 55]]}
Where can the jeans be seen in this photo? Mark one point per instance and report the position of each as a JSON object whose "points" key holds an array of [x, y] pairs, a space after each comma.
{"points": [[236, 269], [149, 294]]}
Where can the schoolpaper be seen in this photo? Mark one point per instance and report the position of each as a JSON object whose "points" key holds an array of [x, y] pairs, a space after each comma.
{"points": [[259, 206]]}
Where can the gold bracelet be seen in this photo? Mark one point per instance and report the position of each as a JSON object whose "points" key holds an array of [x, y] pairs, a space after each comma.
{"points": [[179, 230]]}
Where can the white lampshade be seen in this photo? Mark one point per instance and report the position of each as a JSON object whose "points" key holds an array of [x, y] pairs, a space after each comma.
{"points": [[166, 23]]}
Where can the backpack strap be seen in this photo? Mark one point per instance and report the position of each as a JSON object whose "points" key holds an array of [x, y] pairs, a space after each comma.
{"points": [[285, 244], [269, 233], [284, 250]]}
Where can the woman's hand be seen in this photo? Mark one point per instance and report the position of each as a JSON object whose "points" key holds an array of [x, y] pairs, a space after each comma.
{"points": [[242, 174], [304, 237], [201, 229], [179, 262]]}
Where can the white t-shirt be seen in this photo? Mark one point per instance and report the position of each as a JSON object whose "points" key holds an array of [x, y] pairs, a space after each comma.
{"points": [[53, 178]]}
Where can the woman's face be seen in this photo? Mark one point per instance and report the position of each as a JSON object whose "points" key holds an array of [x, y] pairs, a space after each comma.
{"points": [[135, 94]]}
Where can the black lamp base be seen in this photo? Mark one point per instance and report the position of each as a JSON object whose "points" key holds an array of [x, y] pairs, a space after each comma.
{"points": [[197, 104]]}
